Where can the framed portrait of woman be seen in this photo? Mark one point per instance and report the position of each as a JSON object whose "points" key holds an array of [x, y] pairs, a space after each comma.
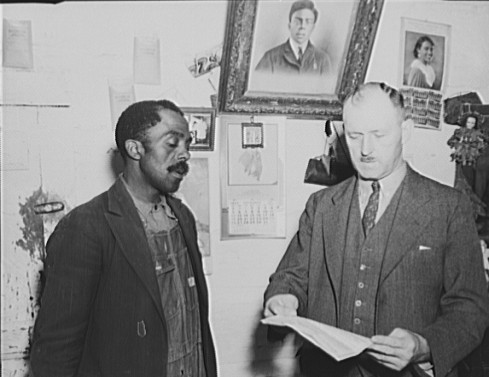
{"points": [[424, 54], [297, 58]]}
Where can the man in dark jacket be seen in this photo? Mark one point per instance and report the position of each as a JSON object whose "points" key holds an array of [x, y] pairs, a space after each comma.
{"points": [[125, 293], [297, 55]]}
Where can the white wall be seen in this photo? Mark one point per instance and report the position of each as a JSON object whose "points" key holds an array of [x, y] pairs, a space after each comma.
{"points": [[468, 68], [79, 46]]}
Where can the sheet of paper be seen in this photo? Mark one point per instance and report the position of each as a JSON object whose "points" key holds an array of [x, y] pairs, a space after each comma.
{"points": [[147, 60], [122, 95], [339, 344], [17, 44]]}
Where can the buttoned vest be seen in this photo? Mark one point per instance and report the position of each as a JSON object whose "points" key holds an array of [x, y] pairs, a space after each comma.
{"points": [[362, 265]]}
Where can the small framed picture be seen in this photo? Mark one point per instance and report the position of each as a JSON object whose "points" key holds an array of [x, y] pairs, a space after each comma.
{"points": [[252, 135], [201, 123]]}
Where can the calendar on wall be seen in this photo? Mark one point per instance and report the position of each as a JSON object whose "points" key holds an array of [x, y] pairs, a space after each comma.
{"points": [[252, 177]]}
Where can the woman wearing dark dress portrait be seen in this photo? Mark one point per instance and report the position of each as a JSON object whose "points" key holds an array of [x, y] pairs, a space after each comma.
{"points": [[421, 72]]}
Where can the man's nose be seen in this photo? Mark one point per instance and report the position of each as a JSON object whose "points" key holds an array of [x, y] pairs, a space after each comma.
{"points": [[184, 154], [366, 145]]}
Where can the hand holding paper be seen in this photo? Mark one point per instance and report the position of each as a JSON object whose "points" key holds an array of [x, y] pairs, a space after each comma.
{"points": [[400, 348], [339, 344]]}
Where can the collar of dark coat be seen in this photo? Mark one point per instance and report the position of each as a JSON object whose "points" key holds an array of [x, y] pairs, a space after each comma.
{"points": [[129, 231], [118, 198]]}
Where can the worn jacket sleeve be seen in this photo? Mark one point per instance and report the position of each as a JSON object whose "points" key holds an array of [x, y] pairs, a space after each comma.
{"points": [[292, 274], [72, 271], [464, 306]]}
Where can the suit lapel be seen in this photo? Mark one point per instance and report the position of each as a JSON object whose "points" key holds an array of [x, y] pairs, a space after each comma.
{"points": [[408, 222], [128, 230], [335, 224]]}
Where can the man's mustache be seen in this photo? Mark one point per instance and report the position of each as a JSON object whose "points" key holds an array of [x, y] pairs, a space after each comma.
{"points": [[367, 159], [181, 167]]}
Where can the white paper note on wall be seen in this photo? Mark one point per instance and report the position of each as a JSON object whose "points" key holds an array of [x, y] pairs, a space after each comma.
{"points": [[17, 44], [147, 60], [121, 92]]}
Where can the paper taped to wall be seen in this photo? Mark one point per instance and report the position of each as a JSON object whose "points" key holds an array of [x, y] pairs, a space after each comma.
{"points": [[339, 344]]}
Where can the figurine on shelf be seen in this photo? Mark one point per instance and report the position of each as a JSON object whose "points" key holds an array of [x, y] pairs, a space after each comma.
{"points": [[468, 141]]}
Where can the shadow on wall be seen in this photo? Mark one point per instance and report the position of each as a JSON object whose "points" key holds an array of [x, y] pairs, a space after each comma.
{"points": [[273, 353]]}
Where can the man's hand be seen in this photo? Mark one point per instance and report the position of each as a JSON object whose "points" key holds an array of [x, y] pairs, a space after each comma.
{"points": [[400, 348], [285, 304]]}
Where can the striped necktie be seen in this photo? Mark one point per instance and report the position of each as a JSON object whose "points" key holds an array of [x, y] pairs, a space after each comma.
{"points": [[368, 220]]}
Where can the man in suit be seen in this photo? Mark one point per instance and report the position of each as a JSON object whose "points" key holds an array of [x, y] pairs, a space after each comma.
{"points": [[388, 254], [125, 293], [297, 55]]}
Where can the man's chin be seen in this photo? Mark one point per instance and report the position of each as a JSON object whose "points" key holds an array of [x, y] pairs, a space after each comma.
{"points": [[368, 175], [171, 186]]}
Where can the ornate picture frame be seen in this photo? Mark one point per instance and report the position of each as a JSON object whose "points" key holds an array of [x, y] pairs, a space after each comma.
{"points": [[201, 122], [236, 95]]}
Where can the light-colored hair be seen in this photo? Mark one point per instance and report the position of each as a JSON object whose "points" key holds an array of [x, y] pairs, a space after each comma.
{"points": [[361, 93]]}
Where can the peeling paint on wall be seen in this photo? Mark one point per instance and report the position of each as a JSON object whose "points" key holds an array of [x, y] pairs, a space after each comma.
{"points": [[22, 276], [33, 229], [37, 223]]}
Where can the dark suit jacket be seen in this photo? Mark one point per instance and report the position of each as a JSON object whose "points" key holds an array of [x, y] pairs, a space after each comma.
{"points": [[431, 281], [101, 312], [281, 59]]}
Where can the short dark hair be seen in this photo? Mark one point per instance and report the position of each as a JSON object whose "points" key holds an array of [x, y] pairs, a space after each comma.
{"points": [[303, 4], [419, 43], [394, 95], [137, 119]]}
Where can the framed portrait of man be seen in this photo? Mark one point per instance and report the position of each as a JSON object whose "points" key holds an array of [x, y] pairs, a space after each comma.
{"points": [[295, 57]]}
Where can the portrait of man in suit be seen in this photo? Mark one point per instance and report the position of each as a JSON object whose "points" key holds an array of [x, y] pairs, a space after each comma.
{"points": [[298, 55], [388, 254], [299, 47]]}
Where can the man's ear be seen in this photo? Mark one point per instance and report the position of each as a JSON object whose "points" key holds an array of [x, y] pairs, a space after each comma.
{"points": [[134, 149]]}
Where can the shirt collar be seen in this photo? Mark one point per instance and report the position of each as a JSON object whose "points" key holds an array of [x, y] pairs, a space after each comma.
{"points": [[146, 207], [295, 47], [388, 184]]}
